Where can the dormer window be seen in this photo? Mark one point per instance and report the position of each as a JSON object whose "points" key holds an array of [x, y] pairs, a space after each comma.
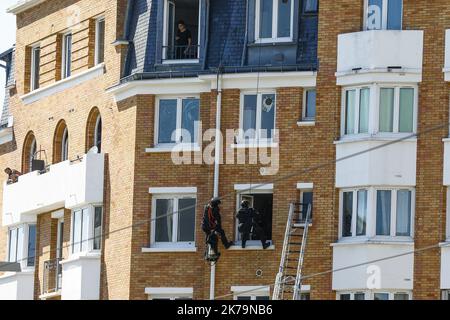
{"points": [[383, 14], [274, 20]]}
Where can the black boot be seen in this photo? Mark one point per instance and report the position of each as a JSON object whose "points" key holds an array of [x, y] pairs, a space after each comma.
{"points": [[266, 245]]}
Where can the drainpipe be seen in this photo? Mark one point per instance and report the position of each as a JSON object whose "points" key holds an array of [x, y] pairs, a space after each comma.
{"points": [[217, 154]]}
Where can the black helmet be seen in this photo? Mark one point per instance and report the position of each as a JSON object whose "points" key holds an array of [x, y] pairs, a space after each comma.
{"points": [[245, 204], [215, 202]]}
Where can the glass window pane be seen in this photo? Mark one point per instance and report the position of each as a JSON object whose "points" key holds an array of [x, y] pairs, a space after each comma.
{"points": [[267, 115], [85, 235], [167, 121], [249, 120], [403, 213], [189, 120], [36, 68], [401, 296], [284, 18], [98, 228], [186, 220], [394, 21], [31, 245], [375, 15], [381, 296], [101, 41], [12, 245], [244, 298], [406, 110], [359, 296], [67, 55], [164, 220], [386, 110], [383, 213], [310, 112], [364, 101], [350, 112], [361, 219], [306, 201], [265, 19], [20, 244], [76, 239], [262, 298], [347, 212], [310, 5], [344, 296]]}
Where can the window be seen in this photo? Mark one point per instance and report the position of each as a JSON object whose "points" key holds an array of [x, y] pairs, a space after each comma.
{"points": [[98, 134], [100, 41], [395, 112], [182, 31], [22, 245], [177, 121], [65, 146], [169, 293], [29, 152], [35, 67], [257, 117], [94, 130], [309, 105], [391, 211], [274, 20], [383, 14], [369, 295], [86, 229], [247, 293], [173, 220], [306, 200], [445, 294], [262, 201], [310, 6], [66, 56]]}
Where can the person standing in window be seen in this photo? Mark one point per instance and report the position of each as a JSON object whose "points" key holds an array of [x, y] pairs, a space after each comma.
{"points": [[251, 221], [183, 41]]}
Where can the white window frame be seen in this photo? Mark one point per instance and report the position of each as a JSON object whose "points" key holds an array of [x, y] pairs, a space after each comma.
{"points": [[169, 293], [90, 237], [250, 291], [65, 73], [371, 214], [166, 35], [370, 294], [304, 105], [448, 215], [174, 243], [21, 250], [258, 139], [274, 37], [265, 189], [97, 39], [34, 67], [179, 99], [384, 19], [374, 107]]}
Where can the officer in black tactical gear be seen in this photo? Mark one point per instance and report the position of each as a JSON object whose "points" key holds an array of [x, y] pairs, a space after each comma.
{"points": [[251, 222], [212, 225]]}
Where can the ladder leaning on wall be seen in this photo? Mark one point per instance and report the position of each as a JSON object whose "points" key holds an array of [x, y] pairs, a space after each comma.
{"points": [[288, 282]]}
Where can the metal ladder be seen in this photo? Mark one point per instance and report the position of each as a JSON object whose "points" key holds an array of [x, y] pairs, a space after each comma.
{"points": [[288, 282]]}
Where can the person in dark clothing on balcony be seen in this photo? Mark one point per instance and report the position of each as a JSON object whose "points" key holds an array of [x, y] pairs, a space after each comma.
{"points": [[13, 175], [183, 41], [212, 225]]}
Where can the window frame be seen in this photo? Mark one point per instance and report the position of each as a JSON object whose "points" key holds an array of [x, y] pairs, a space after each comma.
{"points": [[21, 250], [257, 140], [275, 17], [253, 292], [370, 294], [35, 68], [66, 66], [174, 243], [170, 293], [374, 110], [166, 35], [305, 105], [371, 221], [97, 40], [178, 128], [384, 19], [90, 237]]}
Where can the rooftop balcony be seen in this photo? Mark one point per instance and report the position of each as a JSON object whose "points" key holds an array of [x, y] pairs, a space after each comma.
{"points": [[67, 184], [447, 56], [380, 56]]}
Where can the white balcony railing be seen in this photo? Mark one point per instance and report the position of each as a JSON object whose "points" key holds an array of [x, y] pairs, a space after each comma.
{"points": [[66, 184], [380, 55]]}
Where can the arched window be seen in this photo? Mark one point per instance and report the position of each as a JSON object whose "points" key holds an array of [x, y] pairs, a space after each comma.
{"points": [[29, 152], [94, 130], [61, 143]]}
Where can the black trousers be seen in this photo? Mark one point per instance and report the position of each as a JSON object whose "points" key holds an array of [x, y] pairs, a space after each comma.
{"points": [[215, 244], [258, 231]]}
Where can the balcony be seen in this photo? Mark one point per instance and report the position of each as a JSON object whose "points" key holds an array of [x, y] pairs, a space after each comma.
{"points": [[67, 184], [81, 277], [445, 265], [17, 286], [380, 56], [52, 278], [375, 162], [395, 273], [447, 56]]}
